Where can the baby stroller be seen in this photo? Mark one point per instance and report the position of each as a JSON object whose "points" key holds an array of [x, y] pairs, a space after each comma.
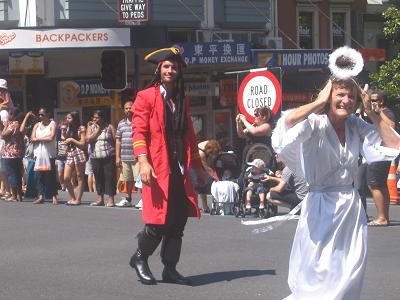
{"points": [[225, 191], [265, 153]]}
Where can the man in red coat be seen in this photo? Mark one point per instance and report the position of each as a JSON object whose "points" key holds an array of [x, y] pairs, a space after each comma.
{"points": [[165, 146]]}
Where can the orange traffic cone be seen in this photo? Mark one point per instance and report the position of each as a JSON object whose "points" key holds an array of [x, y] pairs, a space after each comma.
{"points": [[392, 185]]}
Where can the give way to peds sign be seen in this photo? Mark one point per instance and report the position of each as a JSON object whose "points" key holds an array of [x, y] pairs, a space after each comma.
{"points": [[258, 89]]}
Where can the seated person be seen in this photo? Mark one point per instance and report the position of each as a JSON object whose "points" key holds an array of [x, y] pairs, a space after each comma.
{"points": [[224, 192], [254, 181], [208, 151], [289, 190]]}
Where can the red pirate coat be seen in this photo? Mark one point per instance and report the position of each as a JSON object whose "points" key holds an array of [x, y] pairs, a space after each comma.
{"points": [[149, 137]]}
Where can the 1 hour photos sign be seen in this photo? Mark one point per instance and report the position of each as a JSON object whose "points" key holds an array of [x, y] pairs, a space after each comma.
{"points": [[132, 10]]}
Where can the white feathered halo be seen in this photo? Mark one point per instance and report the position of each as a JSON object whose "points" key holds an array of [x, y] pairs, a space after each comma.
{"points": [[345, 63]]}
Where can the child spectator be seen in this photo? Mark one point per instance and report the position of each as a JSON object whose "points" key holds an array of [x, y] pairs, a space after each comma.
{"points": [[6, 103], [255, 182]]}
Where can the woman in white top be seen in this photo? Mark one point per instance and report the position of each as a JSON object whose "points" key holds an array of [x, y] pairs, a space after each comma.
{"points": [[44, 139], [321, 142]]}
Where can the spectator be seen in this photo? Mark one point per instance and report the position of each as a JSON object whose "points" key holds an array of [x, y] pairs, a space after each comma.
{"points": [[208, 151], [4, 188], [61, 154], [124, 154], [45, 151], [254, 182], [6, 103], [289, 190], [257, 132], [74, 136], [91, 181], [377, 172], [101, 136], [31, 176], [13, 152]]}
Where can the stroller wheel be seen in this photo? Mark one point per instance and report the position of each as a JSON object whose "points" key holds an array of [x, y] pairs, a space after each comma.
{"points": [[243, 210], [262, 213], [274, 210], [236, 211]]}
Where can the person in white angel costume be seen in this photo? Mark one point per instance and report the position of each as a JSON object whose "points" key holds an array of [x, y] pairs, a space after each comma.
{"points": [[321, 141]]}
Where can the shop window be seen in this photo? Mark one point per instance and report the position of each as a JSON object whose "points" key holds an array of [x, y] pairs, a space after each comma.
{"points": [[306, 29], [240, 37], [222, 123], [199, 126], [340, 27], [180, 36]]}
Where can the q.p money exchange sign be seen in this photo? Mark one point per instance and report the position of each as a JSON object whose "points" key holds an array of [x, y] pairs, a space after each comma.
{"points": [[133, 10], [258, 89]]}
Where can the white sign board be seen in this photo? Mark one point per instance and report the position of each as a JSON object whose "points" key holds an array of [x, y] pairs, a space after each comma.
{"points": [[64, 38], [259, 89]]}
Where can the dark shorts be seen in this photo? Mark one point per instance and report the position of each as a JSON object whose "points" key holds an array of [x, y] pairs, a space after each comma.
{"points": [[257, 188], [286, 196], [377, 174]]}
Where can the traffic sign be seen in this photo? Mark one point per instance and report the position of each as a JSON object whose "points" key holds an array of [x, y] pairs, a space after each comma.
{"points": [[257, 89]]}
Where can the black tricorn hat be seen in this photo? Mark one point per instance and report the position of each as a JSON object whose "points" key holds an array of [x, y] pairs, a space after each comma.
{"points": [[163, 54]]}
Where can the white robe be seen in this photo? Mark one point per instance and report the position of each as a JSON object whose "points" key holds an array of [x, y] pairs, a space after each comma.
{"points": [[329, 251]]}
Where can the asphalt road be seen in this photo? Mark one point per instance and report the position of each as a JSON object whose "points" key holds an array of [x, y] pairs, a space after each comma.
{"points": [[61, 252]]}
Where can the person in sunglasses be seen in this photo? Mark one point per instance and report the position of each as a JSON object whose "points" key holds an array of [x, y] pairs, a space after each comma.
{"points": [[45, 151], [257, 132]]}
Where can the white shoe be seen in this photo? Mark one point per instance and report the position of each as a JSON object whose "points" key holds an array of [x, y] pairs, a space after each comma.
{"points": [[123, 203], [248, 206], [261, 206], [139, 205]]}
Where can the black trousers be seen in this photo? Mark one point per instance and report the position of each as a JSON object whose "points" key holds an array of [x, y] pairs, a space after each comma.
{"points": [[104, 173]]}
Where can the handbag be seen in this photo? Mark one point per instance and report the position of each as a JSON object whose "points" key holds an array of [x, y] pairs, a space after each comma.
{"points": [[42, 160]]}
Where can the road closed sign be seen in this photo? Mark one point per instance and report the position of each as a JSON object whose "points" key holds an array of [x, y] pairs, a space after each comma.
{"points": [[258, 89]]}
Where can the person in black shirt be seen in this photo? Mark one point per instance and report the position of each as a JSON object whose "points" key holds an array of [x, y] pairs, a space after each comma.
{"points": [[377, 172]]}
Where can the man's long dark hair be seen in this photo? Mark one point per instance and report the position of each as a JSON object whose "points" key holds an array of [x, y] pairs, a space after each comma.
{"points": [[179, 124]]}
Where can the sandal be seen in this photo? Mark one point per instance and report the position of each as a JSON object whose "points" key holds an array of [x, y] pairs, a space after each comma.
{"points": [[110, 204], [38, 201], [5, 196], [11, 199], [375, 223], [101, 203], [73, 203]]}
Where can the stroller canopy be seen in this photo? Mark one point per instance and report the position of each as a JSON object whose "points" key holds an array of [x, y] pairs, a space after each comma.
{"points": [[227, 160]]}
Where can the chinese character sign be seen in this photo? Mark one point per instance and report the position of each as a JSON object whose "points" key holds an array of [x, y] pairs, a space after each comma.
{"points": [[216, 53]]}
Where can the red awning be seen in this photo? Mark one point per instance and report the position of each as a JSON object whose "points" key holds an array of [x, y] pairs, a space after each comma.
{"points": [[373, 54]]}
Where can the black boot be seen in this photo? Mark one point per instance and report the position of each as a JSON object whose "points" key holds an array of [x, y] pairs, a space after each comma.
{"points": [[170, 253], [146, 246]]}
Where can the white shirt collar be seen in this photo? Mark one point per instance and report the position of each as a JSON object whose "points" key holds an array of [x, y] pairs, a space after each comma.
{"points": [[163, 91]]}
